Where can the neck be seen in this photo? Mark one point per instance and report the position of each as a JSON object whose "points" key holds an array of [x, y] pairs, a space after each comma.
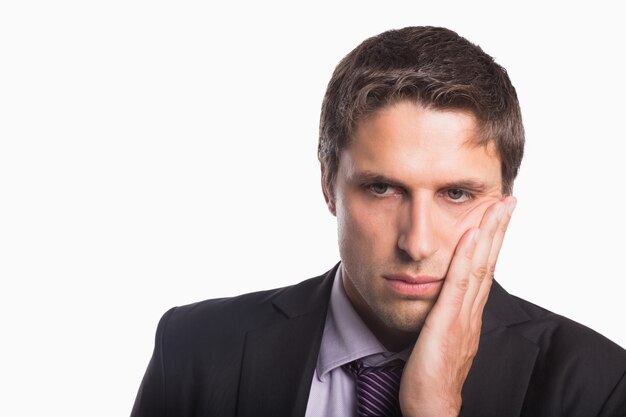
{"points": [[392, 339]]}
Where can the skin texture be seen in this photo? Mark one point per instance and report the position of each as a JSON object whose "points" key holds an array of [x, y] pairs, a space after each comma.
{"points": [[421, 219]]}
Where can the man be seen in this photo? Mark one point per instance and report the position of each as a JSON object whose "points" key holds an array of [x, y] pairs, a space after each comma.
{"points": [[420, 141]]}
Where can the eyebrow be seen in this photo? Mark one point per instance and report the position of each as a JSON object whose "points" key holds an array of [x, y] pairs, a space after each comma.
{"points": [[469, 184]]}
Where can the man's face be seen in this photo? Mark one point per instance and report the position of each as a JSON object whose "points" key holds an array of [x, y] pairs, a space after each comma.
{"points": [[409, 184]]}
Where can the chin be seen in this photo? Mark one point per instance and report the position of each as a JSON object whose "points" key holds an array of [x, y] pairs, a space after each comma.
{"points": [[405, 321]]}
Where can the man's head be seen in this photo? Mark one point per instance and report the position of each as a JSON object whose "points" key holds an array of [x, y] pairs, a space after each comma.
{"points": [[420, 132], [431, 66]]}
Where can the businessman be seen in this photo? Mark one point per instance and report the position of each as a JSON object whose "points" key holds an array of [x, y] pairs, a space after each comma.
{"points": [[421, 139]]}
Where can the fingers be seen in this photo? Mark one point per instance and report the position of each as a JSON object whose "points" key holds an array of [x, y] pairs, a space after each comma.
{"points": [[458, 277], [481, 271], [509, 204], [471, 270]]}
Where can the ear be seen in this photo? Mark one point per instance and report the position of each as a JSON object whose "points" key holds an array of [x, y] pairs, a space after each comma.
{"points": [[329, 195]]}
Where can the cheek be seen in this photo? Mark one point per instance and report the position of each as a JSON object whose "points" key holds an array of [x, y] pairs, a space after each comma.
{"points": [[356, 225], [474, 216], [367, 226], [468, 219], [352, 225]]}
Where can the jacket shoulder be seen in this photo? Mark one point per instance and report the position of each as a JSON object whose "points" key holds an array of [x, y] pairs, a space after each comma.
{"points": [[575, 364], [566, 338], [197, 360], [236, 314]]}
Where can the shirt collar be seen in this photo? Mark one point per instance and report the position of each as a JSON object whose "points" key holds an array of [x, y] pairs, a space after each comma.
{"points": [[347, 338]]}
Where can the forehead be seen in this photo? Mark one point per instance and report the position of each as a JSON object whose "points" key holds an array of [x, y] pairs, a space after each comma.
{"points": [[408, 141]]}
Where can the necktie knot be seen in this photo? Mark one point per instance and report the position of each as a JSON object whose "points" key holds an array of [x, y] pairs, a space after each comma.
{"points": [[377, 388]]}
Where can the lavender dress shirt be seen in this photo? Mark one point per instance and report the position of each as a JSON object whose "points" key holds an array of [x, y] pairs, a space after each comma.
{"points": [[345, 339]]}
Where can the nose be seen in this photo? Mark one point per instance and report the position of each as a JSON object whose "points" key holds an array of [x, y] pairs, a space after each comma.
{"points": [[417, 231]]}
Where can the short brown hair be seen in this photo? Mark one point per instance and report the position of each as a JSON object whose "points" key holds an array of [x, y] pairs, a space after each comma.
{"points": [[433, 66]]}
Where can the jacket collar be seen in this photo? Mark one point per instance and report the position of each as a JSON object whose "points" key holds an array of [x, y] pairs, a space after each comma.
{"points": [[501, 371], [501, 310], [279, 360], [307, 296]]}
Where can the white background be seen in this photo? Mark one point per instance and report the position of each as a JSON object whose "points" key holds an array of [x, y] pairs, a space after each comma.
{"points": [[158, 153]]}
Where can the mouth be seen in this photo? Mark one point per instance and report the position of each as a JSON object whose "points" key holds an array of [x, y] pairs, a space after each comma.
{"points": [[418, 286]]}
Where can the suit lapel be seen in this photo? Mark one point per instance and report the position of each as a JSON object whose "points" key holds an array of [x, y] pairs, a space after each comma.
{"points": [[279, 360], [497, 383]]}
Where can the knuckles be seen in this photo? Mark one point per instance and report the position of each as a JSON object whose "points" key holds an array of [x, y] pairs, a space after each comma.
{"points": [[462, 284], [480, 272]]}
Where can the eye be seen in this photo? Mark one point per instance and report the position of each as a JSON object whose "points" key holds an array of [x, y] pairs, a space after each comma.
{"points": [[381, 189], [457, 195]]}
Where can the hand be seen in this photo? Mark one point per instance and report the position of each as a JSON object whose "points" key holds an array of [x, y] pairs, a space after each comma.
{"points": [[442, 357]]}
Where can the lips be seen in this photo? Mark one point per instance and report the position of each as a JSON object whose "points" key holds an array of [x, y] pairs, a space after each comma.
{"points": [[410, 279], [418, 286]]}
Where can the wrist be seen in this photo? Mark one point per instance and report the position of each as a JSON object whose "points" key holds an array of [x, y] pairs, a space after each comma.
{"points": [[432, 409]]}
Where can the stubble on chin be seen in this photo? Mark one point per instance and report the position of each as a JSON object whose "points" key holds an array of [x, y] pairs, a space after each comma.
{"points": [[404, 315]]}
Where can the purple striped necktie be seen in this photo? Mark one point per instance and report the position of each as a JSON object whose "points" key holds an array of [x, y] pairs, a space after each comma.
{"points": [[377, 388]]}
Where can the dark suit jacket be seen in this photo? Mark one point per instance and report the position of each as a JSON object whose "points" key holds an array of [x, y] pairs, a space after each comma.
{"points": [[254, 356]]}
